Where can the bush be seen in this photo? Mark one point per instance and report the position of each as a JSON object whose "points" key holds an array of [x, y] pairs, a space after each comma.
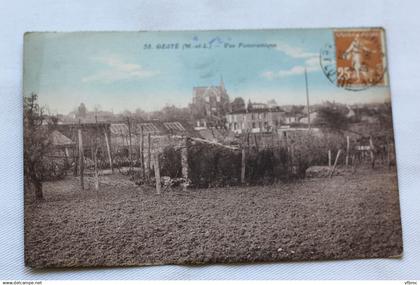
{"points": [[213, 166], [170, 162], [216, 166], [310, 150]]}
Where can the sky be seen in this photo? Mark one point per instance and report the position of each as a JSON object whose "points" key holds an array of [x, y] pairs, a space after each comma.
{"points": [[119, 71]]}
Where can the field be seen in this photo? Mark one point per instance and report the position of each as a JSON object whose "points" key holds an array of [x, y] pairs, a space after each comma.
{"points": [[348, 216]]}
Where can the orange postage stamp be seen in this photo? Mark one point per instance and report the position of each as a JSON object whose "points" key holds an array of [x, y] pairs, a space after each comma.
{"points": [[360, 60]]}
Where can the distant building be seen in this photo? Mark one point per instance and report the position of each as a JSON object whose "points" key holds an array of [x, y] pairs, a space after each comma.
{"points": [[291, 118], [210, 104], [312, 115], [272, 103], [351, 113], [257, 106], [255, 120]]}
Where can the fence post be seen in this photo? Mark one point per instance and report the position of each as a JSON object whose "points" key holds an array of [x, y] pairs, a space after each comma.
{"points": [[142, 152], [347, 150], [372, 156], [157, 172], [66, 153], [75, 163], [148, 154], [95, 154], [329, 158], [108, 148], [184, 163], [353, 163], [130, 150], [243, 162], [335, 163], [256, 141], [81, 158], [95, 165], [292, 157]]}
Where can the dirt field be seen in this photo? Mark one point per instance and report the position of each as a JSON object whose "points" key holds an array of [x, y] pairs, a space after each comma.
{"points": [[352, 216]]}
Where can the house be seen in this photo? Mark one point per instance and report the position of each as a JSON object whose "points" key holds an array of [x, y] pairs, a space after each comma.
{"points": [[291, 118], [256, 105], [255, 120], [312, 116]]}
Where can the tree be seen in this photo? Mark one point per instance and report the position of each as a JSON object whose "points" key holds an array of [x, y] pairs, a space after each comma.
{"points": [[36, 144], [384, 115], [249, 106], [296, 110], [172, 113], [82, 111], [332, 118], [238, 104], [140, 114]]}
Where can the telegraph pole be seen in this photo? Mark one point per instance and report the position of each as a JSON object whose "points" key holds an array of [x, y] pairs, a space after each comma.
{"points": [[307, 99]]}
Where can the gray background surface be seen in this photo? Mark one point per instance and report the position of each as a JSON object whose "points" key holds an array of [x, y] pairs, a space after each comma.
{"points": [[399, 18]]}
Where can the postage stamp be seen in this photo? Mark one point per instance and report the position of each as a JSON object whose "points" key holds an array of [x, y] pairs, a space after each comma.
{"points": [[358, 61]]}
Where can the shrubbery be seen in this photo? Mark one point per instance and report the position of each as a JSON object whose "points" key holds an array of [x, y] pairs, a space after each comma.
{"points": [[170, 162], [213, 166], [217, 166]]}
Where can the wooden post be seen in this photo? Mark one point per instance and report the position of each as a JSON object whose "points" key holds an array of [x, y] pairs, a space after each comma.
{"points": [[130, 151], [307, 99], [292, 156], [157, 172], [372, 156], [285, 141], [149, 143], [329, 158], [243, 162], [347, 150], [108, 148], [75, 163], [256, 141], [142, 152], [353, 163], [335, 163], [184, 163], [286, 148], [81, 159], [95, 165], [95, 152], [67, 155]]}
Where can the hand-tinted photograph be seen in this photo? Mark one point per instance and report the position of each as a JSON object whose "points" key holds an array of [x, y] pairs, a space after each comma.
{"points": [[197, 147]]}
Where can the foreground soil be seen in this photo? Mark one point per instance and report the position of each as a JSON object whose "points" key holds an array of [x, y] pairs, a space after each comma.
{"points": [[350, 216]]}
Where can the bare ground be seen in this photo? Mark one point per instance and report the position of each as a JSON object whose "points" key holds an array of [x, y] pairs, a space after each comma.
{"points": [[350, 216]]}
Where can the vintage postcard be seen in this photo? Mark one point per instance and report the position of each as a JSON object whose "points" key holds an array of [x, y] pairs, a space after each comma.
{"points": [[194, 147]]}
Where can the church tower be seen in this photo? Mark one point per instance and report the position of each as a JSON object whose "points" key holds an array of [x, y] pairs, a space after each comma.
{"points": [[222, 83]]}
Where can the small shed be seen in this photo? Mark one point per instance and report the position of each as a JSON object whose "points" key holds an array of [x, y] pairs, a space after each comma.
{"points": [[61, 143], [60, 140]]}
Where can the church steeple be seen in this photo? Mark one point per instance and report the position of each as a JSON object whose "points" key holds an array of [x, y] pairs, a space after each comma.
{"points": [[222, 84]]}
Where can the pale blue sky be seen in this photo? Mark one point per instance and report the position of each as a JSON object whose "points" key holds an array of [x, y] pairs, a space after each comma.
{"points": [[115, 71]]}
